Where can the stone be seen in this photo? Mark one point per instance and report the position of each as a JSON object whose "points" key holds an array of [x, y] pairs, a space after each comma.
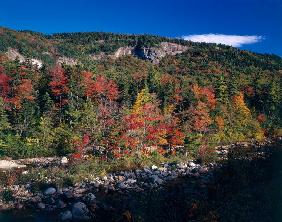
{"points": [[192, 164], [131, 181], [66, 215], [25, 172], [148, 171], [80, 190], [35, 199], [93, 207], [49, 200], [111, 188], [138, 171], [182, 165], [19, 206], [122, 185], [90, 198], [60, 204], [80, 212], [157, 180], [41, 206], [162, 169], [154, 167], [120, 178], [97, 184], [68, 194], [50, 191], [196, 174], [64, 160], [203, 170]]}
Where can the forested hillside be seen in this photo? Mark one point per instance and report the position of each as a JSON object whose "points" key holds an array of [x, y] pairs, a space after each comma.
{"points": [[187, 103]]}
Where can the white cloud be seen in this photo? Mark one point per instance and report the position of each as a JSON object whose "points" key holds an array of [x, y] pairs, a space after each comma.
{"points": [[232, 40]]}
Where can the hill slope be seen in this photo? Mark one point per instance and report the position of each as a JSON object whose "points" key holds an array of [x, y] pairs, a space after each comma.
{"points": [[96, 44], [129, 94]]}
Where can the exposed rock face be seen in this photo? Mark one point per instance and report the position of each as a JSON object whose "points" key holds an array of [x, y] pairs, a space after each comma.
{"points": [[67, 61], [123, 51], [36, 62], [13, 54], [154, 54], [99, 56]]}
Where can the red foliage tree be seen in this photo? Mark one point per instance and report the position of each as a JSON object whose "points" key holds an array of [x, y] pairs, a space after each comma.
{"points": [[143, 129], [88, 83], [58, 85], [106, 88], [79, 146], [101, 88], [22, 91], [174, 136], [5, 87]]}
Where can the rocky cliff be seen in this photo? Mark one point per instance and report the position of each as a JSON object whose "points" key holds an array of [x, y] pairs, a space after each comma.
{"points": [[153, 54], [13, 54]]}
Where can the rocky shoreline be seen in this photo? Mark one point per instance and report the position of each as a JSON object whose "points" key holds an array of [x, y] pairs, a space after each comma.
{"points": [[81, 201]]}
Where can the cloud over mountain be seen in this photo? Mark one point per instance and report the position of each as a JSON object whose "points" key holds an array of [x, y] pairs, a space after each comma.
{"points": [[232, 40]]}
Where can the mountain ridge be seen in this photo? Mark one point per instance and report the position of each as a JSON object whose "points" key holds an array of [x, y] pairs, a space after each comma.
{"points": [[71, 47]]}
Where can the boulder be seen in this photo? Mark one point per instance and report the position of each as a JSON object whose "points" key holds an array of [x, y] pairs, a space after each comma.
{"points": [[154, 167], [131, 181], [192, 164], [50, 191], [60, 204], [122, 185], [64, 160], [41, 206], [157, 180], [66, 216], [80, 212], [90, 198]]}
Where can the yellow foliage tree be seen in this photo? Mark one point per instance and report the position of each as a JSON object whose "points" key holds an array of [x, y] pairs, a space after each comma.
{"points": [[244, 123], [240, 105], [143, 98]]}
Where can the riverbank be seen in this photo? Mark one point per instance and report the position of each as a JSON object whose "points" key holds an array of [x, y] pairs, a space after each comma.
{"points": [[114, 192]]}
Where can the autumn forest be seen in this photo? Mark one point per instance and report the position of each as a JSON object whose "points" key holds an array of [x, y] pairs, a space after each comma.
{"points": [[187, 103]]}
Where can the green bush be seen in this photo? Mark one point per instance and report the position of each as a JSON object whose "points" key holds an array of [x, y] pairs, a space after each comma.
{"points": [[17, 147]]}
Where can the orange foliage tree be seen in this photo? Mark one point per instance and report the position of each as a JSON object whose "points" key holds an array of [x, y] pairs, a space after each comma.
{"points": [[23, 91], [200, 111]]}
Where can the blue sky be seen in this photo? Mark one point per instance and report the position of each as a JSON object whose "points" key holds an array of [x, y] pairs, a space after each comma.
{"points": [[249, 24]]}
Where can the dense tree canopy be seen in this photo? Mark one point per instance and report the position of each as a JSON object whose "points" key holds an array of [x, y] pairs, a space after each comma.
{"points": [[212, 94]]}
